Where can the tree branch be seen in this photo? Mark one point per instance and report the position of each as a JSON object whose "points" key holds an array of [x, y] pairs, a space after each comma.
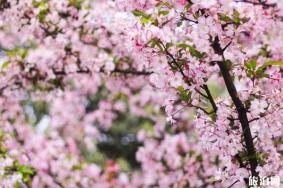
{"points": [[131, 71], [241, 110], [262, 3], [209, 97], [116, 70], [205, 87], [233, 184]]}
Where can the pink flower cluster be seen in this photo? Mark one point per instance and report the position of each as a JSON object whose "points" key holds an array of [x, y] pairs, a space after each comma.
{"points": [[207, 73]]}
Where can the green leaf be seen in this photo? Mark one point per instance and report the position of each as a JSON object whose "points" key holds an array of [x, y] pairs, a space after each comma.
{"points": [[260, 73], [237, 21], [194, 52], [278, 63], [199, 158], [236, 14], [188, 6], [10, 53], [159, 46], [139, 13], [152, 42], [180, 89], [44, 10], [224, 17], [17, 185], [179, 23], [268, 63], [182, 45], [19, 51], [251, 65], [185, 95], [147, 126], [245, 20], [265, 156], [76, 3], [23, 52], [165, 4], [169, 45], [264, 51], [213, 179], [192, 152], [77, 167], [236, 17], [163, 12], [154, 22], [145, 20], [123, 164], [26, 170], [5, 64], [37, 4], [155, 42]]}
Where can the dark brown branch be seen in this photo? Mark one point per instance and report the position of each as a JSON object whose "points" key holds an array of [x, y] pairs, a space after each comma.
{"points": [[201, 108], [131, 71], [241, 110], [16, 81], [183, 17], [205, 96], [254, 119], [262, 3], [3, 88], [233, 184], [209, 97], [205, 87], [242, 113], [116, 70], [232, 119], [4, 4], [168, 54]]}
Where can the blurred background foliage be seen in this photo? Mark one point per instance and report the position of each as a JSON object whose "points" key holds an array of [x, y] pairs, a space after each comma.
{"points": [[119, 143]]}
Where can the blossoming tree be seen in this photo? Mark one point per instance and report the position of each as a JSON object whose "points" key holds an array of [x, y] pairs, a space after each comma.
{"points": [[206, 74]]}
